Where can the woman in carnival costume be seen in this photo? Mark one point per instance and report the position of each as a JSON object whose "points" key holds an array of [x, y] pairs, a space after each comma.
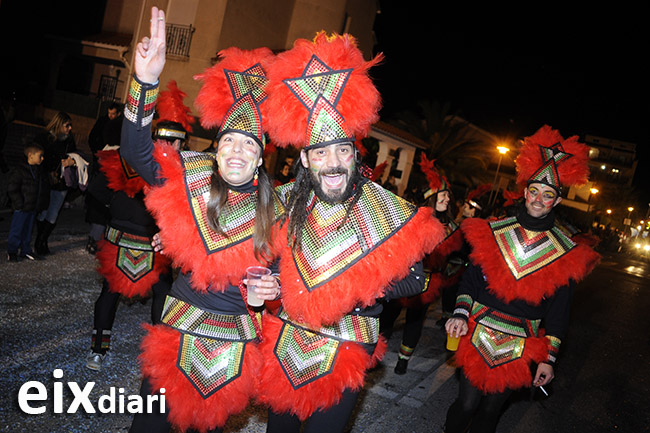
{"points": [[441, 273], [217, 215]]}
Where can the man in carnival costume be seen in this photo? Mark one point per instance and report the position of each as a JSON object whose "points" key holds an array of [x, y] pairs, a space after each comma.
{"points": [[349, 244], [523, 270], [440, 272], [217, 213], [126, 258]]}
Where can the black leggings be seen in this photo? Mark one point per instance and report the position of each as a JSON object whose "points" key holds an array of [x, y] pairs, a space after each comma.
{"points": [[413, 322], [154, 422], [107, 302], [473, 407], [332, 420]]}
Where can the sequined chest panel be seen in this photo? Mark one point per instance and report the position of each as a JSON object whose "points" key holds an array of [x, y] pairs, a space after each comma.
{"points": [[237, 224], [526, 251], [331, 243]]}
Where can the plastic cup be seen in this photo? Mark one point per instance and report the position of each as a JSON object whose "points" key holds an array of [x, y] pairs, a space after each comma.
{"points": [[452, 343], [253, 274]]}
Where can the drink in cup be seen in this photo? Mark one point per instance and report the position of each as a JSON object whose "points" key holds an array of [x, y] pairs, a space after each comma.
{"points": [[253, 274], [452, 342]]}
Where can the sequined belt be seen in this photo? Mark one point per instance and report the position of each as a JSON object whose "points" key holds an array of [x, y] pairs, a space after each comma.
{"points": [[500, 337], [307, 355], [188, 318], [211, 348], [360, 329], [127, 240]]}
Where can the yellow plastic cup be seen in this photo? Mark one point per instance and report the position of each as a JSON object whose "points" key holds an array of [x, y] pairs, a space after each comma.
{"points": [[452, 343]]}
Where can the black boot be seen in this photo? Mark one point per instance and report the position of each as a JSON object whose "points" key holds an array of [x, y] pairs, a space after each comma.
{"points": [[402, 365], [45, 230]]}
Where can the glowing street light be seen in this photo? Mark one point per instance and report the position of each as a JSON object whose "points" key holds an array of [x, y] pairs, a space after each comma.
{"points": [[609, 211], [502, 151]]}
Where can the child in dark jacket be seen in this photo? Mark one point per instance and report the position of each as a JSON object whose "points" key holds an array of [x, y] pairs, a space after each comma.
{"points": [[28, 195]]}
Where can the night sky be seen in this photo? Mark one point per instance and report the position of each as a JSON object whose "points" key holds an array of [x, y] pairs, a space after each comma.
{"points": [[508, 70]]}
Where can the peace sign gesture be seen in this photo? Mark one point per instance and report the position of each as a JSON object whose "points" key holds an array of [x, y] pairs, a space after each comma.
{"points": [[150, 51]]}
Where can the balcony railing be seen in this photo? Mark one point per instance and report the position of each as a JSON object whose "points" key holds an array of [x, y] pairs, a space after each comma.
{"points": [[179, 39]]}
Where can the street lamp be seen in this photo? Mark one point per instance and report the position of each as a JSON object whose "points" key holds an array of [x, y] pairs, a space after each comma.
{"points": [[592, 191], [502, 151]]}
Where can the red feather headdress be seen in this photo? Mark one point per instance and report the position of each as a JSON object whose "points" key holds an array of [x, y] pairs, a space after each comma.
{"points": [[437, 182], [170, 108], [233, 92], [320, 93], [546, 157]]}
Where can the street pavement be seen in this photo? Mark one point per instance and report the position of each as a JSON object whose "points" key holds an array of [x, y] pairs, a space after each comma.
{"points": [[46, 309]]}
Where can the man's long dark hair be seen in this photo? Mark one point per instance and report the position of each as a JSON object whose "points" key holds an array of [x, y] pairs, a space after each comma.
{"points": [[264, 210], [299, 199]]}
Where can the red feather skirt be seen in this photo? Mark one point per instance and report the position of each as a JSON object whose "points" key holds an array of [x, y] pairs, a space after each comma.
{"points": [[185, 405]]}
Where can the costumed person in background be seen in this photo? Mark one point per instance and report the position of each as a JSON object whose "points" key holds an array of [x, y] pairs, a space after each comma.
{"points": [[105, 135], [126, 257], [474, 206], [440, 273], [523, 270], [217, 215], [349, 242], [474, 202], [58, 142]]}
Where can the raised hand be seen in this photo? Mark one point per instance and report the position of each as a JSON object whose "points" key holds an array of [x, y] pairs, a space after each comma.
{"points": [[150, 51]]}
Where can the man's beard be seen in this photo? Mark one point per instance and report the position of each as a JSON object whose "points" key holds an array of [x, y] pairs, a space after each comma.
{"points": [[342, 195]]}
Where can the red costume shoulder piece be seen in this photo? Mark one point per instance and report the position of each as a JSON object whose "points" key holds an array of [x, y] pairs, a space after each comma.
{"points": [[361, 281], [539, 276], [181, 234], [452, 243], [119, 175]]}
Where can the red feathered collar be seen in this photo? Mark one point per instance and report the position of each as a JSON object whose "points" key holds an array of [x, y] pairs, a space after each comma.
{"points": [[574, 264], [361, 282], [119, 175], [182, 240]]}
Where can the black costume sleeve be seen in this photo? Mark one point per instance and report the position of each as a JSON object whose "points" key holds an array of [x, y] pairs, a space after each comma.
{"points": [[136, 144], [412, 285]]}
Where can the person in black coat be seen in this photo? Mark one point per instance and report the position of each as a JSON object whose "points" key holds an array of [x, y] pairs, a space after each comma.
{"points": [[58, 143], [27, 193]]}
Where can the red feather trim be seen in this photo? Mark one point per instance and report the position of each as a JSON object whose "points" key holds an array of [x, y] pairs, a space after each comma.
{"points": [[512, 375], [215, 97], [169, 205], [432, 175], [348, 372], [512, 196], [358, 104], [363, 282], [170, 107], [110, 163], [187, 408], [573, 171], [479, 191], [438, 257], [120, 283], [378, 171], [574, 265]]}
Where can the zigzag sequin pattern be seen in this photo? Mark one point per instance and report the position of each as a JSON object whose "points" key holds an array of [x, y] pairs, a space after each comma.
{"points": [[327, 250], [527, 251], [238, 224]]}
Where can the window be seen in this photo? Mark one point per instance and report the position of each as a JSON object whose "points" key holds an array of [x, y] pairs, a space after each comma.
{"points": [[179, 39]]}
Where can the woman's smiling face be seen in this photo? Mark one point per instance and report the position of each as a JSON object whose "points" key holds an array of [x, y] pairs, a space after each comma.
{"points": [[238, 156]]}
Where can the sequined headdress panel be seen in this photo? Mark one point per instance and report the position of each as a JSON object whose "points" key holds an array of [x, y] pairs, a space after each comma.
{"points": [[320, 93], [233, 93], [546, 157]]}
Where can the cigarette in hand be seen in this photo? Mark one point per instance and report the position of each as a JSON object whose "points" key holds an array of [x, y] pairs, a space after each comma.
{"points": [[543, 390]]}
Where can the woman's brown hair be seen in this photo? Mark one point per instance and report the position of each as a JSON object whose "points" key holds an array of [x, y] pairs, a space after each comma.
{"points": [[264, 210]]}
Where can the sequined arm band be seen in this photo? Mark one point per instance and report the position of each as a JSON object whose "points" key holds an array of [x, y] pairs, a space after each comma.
{"points": [[553, 348], [140, 103], [463, 306]]}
